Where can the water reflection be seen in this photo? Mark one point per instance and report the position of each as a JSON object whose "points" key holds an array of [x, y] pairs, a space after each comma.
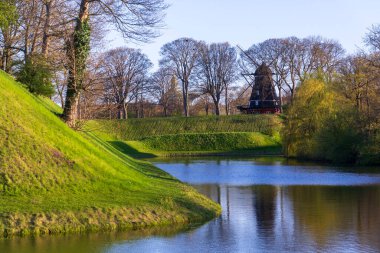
{"points": [[265, 207], [248, 172], [86, 242], [268, 206], [298, 218]]}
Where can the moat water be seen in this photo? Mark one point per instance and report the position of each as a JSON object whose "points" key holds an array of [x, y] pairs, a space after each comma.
{"points": [[269, 205]]}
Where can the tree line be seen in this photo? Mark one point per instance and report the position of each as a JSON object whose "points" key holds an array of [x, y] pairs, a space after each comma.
{"points": [[45, 42], [54, 46], [200, 76]]}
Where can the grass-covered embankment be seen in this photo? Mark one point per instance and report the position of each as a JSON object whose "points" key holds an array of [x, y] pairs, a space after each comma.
{"points": [[136, 129], [206, 144], [208, 135], [56, 180]]}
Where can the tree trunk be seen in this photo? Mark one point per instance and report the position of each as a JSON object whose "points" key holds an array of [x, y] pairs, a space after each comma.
{"points": [[125, 111], [77, 51], [122, 112], [35, 32], [26, 42], [217, 109], [46, 36], [8, 65], [119, 113], [79, 113], [280, 98], [6, 57], [62, 99], [71, 104], [185, 106], [226, 100], [185, 102], [142, 107]]}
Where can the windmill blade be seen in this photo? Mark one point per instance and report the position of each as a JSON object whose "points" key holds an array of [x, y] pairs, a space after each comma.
{"points": [[248, 56], [270, 64], [250, 84], [253, 60], [241, 94]]}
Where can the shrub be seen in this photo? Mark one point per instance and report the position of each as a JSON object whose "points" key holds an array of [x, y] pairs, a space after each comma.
{"points": [[36, 74], [340, 138], [322, 125]]}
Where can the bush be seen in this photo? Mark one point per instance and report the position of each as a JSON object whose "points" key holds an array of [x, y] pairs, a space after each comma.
{"points": [[36, 74], [322, 125], [370, 153], [340, 138], [313, 103]]}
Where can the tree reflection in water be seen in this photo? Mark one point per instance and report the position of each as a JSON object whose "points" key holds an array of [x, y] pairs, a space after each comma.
{"points": [[268, 206], [297, 217]]}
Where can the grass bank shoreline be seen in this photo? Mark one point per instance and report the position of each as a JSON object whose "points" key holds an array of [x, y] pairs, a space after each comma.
{"points": [[56, 180], [96, 220]]}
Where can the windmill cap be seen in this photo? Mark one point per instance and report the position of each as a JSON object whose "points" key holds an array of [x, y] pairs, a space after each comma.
{"points": [[263, 70]]}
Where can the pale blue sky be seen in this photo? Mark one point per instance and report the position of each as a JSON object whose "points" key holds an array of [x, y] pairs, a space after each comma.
{"points": [[246, 22]]}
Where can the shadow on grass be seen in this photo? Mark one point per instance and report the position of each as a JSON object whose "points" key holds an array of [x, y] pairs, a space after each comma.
{"points": [[126, 149], [256, 151], [244, 152], [146, 168]]}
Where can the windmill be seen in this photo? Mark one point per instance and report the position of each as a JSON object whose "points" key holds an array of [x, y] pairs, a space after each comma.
{"points": [[263, 98]]}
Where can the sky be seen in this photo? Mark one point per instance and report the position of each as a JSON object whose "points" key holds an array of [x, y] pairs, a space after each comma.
{"points": [[247, 22]]}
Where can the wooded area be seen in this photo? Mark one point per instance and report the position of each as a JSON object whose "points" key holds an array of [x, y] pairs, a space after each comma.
{"points": [[54, 47]]}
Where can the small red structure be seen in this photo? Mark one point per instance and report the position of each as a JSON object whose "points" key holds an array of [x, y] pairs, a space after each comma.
{"points": [[263, 97]]}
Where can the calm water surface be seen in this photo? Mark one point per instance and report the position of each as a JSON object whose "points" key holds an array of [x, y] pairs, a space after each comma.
{"points": [[269, 205]]}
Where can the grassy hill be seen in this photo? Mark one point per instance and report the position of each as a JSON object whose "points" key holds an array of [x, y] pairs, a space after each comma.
{"points": [[56, 180], [207, 135], [136, 129], [202, 144]]}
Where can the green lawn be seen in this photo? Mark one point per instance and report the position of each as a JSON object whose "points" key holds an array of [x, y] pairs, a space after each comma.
{"points": [[56, 180]]}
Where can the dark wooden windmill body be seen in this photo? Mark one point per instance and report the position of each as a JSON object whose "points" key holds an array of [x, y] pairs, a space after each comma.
{"points": [[263, 97]]}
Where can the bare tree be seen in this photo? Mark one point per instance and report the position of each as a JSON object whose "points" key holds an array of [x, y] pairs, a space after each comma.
{"points": [[164, 89], [372, 38], [359, 80], [216, 71], [135, 19], [353, 80], [229, 72], [293, 59], [9, 36], [124, 71], [181, 56]]}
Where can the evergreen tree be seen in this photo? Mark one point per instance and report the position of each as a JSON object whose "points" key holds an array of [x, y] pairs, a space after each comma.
{"points": [[36, 74]]}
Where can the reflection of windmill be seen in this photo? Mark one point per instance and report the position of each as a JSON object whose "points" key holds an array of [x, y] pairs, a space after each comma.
{"points": [[263, 97]]}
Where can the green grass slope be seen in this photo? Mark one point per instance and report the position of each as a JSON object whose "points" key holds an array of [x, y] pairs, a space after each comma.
{"points": [[206, 143], [55, 180], [136, 129], [206, 135]]}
